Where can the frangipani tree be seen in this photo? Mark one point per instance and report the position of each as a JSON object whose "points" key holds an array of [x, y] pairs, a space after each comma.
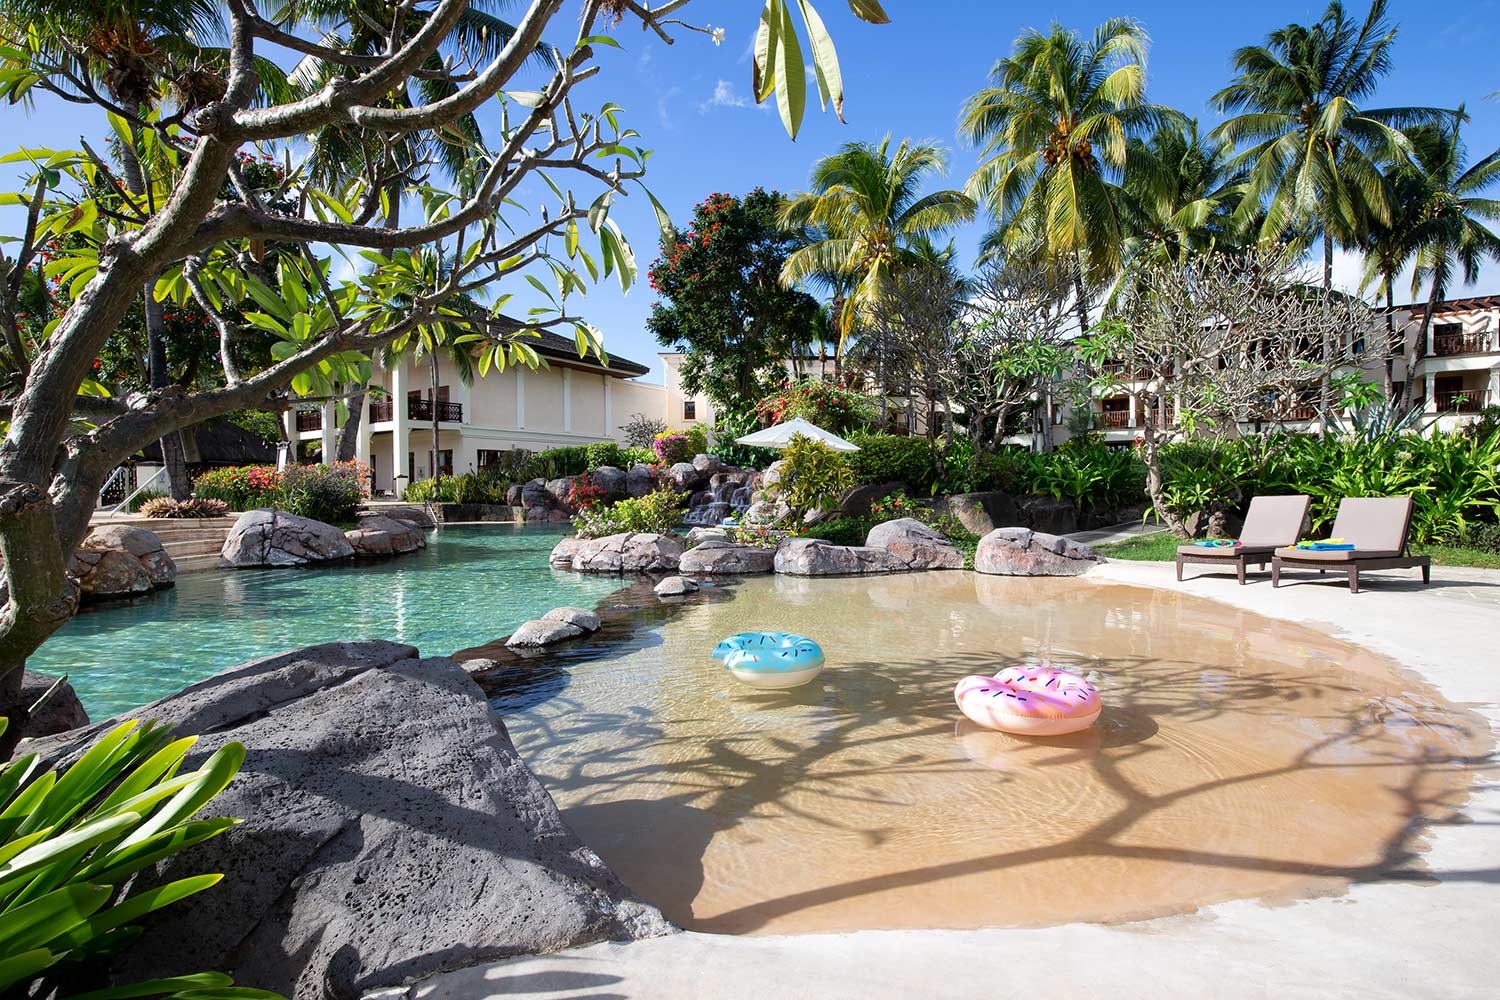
{"points": [[1206, 341], [203, 231]]}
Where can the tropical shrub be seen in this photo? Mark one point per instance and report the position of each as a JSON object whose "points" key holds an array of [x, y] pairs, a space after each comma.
{"points": [[657, 512], [144, 497], [201, 508], [1089, 475], [554, 463], [732, 425], [813, 476], [760, 535], [584, 493], [328, 493], [159, 507], [242, 487], [604, 453], [74, 841], [672, 447], [840, 531], [885, 458], [827, 404], [485, 487], [1484, 537]]}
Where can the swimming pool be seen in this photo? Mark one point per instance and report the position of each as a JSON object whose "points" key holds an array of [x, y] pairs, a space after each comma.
{"points": [[1237, 757], [470, 585]]}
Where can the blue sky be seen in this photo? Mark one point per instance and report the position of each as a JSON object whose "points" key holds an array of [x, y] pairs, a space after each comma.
{"points": [[908, 78]]}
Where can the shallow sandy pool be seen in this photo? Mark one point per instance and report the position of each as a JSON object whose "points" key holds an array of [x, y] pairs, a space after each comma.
{"points": [[1235, 757]]}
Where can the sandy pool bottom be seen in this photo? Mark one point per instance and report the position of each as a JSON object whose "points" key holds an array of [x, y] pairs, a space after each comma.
{"points": [[1236, 757]]}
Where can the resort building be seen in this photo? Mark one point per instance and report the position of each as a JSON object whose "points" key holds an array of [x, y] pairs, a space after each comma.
{"points": [[568, 401]]}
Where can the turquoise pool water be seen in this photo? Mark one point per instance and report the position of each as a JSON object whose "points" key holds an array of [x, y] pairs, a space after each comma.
{"points": [[470, 585]]}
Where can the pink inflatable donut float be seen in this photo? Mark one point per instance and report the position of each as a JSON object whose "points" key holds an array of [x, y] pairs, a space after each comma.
{"points": [[1029, 701]]}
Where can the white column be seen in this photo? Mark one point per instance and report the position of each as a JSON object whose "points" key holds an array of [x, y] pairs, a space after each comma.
{"points": [[362, 440], [520, 397], [567, 381], [609, 405], [330, 439], [289, 422], [399, 430], [1431, 406], [1135, 420]]}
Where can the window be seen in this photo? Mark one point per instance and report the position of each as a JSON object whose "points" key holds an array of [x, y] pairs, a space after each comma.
{"points": [[690, 409], [489, 459]]}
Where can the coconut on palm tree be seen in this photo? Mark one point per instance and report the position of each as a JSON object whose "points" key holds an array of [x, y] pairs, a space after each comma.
{"points": [[1054, 128], [863, 215]]}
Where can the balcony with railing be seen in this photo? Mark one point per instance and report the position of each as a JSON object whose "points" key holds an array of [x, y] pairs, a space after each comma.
{"points": [[1462, 400], [1447, 345], [417, 408], [309, 420], [1112, 420]]}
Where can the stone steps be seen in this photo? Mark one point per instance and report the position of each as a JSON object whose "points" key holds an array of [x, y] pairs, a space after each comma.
{"points": [[193, 544], [197, 563]]}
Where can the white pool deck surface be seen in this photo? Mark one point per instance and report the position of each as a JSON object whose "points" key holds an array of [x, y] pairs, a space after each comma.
{"points": [[1437, 935]]}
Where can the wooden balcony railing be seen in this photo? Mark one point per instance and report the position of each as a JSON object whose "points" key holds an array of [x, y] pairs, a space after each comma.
{"points": [[309, 420], [1305, 412], [1446, 345], [1462, 400], [382, 410], [1114, 419]]}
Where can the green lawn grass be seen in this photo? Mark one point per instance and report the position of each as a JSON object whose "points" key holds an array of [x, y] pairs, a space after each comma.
{"points": [[1161, 546]]}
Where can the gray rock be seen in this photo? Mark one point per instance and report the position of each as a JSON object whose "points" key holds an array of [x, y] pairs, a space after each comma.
{"points": [[699, 535], [613, 481], [630, 552], [558, 490], [640, 480], [685, 478], [63, 712], [558, 517], [717, 557], [538, 632], [563, 551], [477, 666], [709, 465], [378, 535], [578, 617], [534, 494], [856, 502], [121, 560], [1049, 515], [389, 832], [413, 514], [766, 512], [537, 513], [815, 557], [982, 513], [1023, 552], [675, 586], [276, 538], [914, 543]]}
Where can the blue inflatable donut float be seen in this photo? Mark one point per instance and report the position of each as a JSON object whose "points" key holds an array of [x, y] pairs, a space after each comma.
{"points": [[770, 659]]}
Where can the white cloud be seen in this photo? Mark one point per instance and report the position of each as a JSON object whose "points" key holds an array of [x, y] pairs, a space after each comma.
{"points": [[1348, 268], [724, 97]]}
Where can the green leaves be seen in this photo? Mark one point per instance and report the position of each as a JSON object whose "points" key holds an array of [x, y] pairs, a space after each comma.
{"points": [[779, 66], [68, 843]]}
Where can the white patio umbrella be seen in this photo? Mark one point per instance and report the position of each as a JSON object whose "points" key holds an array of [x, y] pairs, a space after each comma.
{"points": [[781, 435]]}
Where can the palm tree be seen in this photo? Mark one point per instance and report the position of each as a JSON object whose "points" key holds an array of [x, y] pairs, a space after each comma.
{"points": [[862, 216], [1314, 154], [1053, 128], [1389, 247], [1451, 235], [1181, 192]]}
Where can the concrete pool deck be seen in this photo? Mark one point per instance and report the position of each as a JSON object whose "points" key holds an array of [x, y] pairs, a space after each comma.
{"points": [[1429, 932]]}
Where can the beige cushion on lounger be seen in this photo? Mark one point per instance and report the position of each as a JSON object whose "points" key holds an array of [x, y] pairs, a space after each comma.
{"points": [[1223, 552], [1273, 521], [1376, 526], [1334, 555]]}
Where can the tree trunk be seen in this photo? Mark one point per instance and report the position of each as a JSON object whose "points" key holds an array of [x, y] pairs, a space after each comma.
{"points": [[1390, 339], [1325, 380], [348, 444], [1155, 487], [1419, 345], [1080, 297], [433, 365]]}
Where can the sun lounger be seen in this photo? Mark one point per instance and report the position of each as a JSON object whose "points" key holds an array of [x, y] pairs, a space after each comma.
{"points": [[1270, 523], [1377, 527]]}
